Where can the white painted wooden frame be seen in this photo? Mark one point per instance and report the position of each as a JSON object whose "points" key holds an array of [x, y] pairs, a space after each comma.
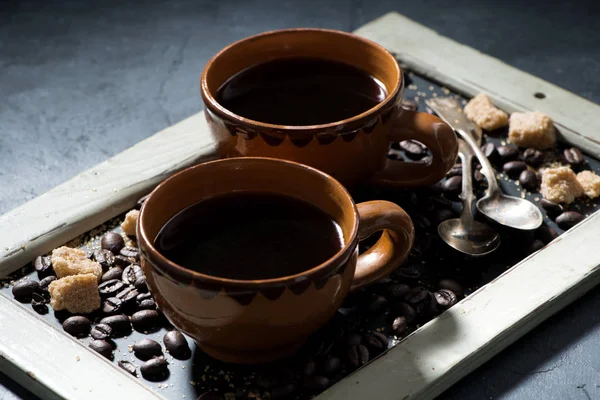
{"points": [[425, 363]]}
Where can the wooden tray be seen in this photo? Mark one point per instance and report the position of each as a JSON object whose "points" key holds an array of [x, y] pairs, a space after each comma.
{"points": [[53, 365]]}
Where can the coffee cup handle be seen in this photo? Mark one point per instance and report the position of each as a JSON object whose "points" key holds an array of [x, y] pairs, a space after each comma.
{"points": [[433, 133], [393, 246]]}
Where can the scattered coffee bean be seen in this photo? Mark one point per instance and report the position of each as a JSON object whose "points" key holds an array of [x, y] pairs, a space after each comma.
{"points": [[546, 234], [127, 366], [105, 258], [507, 153], [122, 261], [533, 157], [397, 291], [574, 156], [568, 219], [399, 325], [119, 323], [145, 301], [551, 208], [451, 285], [112, 305], [514, 168], [77, 326], [416, 295], [407, 273], [413, 149], [155, 369], [104, 348], [353, 339], [534, 246], [110, 288], [140, 285], [452, 186], [408, 104], [177, 345], [282, 391], [331, 365], [41, 296], [132, 273], [23, 290], [112, 242], [130, 252], [46, 281], [443, 214], [428, 307], [376, 340], [445, 298], [317, 383], [309, 368], [529, 180], [128, 297], [113, 273], [456, 170], [101, 331], [405, 310], [479, 178], [377, 305], [39, 307], [43, 266], [489, 150], [145, 320], [358, 355], [145, 349]]}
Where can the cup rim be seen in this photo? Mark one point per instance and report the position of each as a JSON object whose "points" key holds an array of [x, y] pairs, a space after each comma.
{"points": [[179, 271], [212, 103]]}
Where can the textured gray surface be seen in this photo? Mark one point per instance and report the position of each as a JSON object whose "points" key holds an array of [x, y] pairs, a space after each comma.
{"points": [[83, 80]]}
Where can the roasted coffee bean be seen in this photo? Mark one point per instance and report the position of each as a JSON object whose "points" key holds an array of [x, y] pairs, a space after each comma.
{"points": [[416, 295], [101, 331], [309, 368], [489, 150], [399, 325], [397, 291], [140, 285], [145, 349], [317, 383], [43, 266], [574, 156], [358, 355], [479, 178], [529, 180], [266, 381], [546, 234], [514, 168], [122, 261], [551, 208], [132, 273], [113, 242], [413, 149], [445, 298], [452, 186], [77, 326], [41, 296], [145, 320], [568, 219], [39, 307], [145, 301], [331, 365], [451, 285], [130, 252], [353, 339], [46, 281], [443, 214], [405, 310], [428, 307], [127, 366], [534, 246], [533, 157], [408, 104], [105, 258], [128, 296], [378, 304], [407, 273], [119, 323], [112, 305], [102, 347], [110, 288], [282, 391], [23, 290], [113, 273], [456, 170], [376, 340], [507, 153], [177, 345], [155, 368]]}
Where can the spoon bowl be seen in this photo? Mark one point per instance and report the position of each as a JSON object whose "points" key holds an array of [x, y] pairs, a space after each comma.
{"points": [[510, 211], [474, 238]]}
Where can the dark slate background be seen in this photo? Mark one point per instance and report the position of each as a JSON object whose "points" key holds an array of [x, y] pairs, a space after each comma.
{"points": [[82, 80]]}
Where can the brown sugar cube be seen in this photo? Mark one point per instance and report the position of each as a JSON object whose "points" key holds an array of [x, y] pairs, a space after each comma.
{"points": [[481, 111], [69, 261], [590, 183], [130, 222], [560, 185], [78, 294], [532, 129]]}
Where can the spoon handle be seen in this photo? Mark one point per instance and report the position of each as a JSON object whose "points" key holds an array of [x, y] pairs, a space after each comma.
{"points": [[486, 167], [466, 195]]}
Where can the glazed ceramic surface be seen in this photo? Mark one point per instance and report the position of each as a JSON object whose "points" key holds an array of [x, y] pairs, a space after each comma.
{"points": [[353, 150], [249, 321]]}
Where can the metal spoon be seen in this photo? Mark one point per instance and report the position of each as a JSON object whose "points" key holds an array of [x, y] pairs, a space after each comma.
{"points": [[465, 234], [510, 211]]}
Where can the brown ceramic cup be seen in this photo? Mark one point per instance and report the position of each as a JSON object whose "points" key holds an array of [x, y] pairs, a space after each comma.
{"points": [[252, 321], [354, 150]]}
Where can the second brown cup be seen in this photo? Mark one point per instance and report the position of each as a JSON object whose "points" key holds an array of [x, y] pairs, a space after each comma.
{"points": [[353, 150], [252, 321]]}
